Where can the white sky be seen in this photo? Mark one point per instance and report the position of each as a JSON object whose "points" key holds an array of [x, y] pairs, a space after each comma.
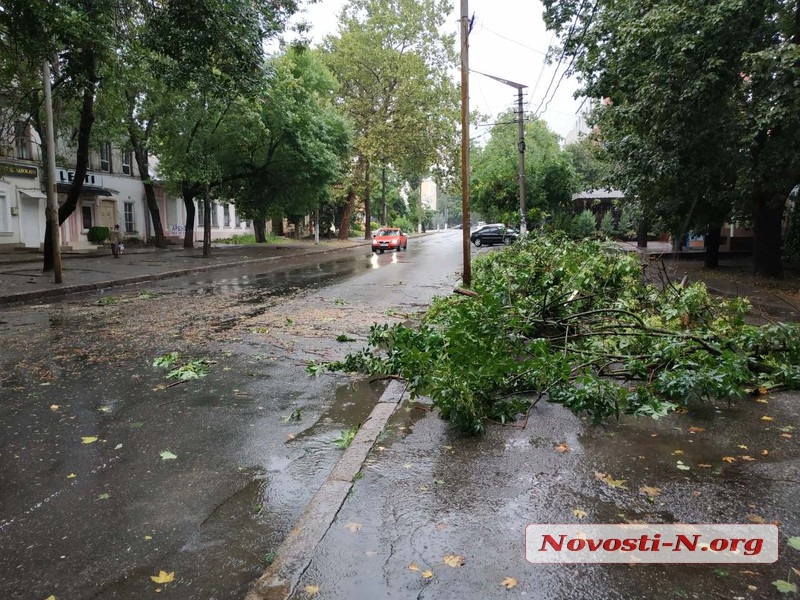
{"points": [[508, 40]]}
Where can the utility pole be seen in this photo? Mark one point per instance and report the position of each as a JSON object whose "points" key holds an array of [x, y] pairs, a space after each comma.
{"points": [[520, 147], [52, 193], [466, 274]]}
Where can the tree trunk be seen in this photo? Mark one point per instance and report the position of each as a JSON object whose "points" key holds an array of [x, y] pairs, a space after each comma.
{"points": [[188, 202], [712, 240], [769, 216], [277, 226], [367, 210], [81, 160], [141, 154], [344, 227], [206, 220], [641, 233], [260, 230]]}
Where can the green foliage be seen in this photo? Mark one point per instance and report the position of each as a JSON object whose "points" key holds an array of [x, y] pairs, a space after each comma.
{"points": [[97, 235], [584, 225], [404, 223], [166, 360], [576, 322], [243, 239], [346, 437], [343, 337], [194, 369], [107, 301], [607, 225]]}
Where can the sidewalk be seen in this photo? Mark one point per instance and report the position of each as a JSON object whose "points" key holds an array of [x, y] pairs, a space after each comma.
{"points": [[22, 279]]}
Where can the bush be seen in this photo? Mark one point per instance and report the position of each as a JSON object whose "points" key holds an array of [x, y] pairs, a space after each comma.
{"points": [[607, 225], [374, 226], [583, 226], [403, 223], [98, 235]]}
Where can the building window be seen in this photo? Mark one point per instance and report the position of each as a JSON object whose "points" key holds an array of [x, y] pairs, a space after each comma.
{"points": [[226, 215], [22, 143], [127, 158], [214, 215], [129, 224], [5, 218], [86, 214], [105, 157], [200, 208]]}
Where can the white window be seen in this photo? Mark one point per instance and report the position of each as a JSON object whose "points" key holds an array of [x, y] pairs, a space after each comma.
{"points": [[105, 157], [214, 215], [130, 226], [127, 161], [200, 207], [5, 216], [22, 143], [226, 215]]}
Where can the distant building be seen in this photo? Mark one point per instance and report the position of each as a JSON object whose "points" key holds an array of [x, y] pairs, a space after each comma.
{"points": [[428, 193]]}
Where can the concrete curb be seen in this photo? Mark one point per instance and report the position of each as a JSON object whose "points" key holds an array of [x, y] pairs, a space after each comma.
{"points": [[295, 553], [109, 283]]}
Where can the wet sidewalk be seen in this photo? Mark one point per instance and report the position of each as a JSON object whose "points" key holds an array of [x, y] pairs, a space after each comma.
{"points": [[22, 279]]}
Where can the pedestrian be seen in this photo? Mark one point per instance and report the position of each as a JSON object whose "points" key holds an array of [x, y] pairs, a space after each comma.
{"points": [[115, 237]]}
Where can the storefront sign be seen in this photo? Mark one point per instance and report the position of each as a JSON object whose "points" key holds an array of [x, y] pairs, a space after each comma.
{"points": [[18, 170], [67, 175]]}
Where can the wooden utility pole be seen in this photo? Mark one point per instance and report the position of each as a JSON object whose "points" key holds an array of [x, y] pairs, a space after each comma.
{"points": [[52, 193], [466, 274]]}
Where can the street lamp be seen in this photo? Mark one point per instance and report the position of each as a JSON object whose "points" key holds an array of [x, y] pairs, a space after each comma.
{"points": [[520, 146]]}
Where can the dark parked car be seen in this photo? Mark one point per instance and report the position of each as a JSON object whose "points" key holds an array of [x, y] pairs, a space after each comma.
{"points": [[493, 234]]}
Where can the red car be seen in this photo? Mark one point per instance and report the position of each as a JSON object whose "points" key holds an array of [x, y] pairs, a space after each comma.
{"points": [[389, 238]]}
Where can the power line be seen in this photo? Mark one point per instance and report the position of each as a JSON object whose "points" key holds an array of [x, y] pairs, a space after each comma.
{"points": [[508, 39]]}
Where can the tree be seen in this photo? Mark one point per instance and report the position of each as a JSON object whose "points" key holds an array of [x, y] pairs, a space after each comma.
{"points": [[700, 108], [392, 65], [550, 179], [590, 162], [280, 156]]}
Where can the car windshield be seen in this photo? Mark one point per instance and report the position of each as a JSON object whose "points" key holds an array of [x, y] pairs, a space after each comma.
{"points": [[388, 232]]}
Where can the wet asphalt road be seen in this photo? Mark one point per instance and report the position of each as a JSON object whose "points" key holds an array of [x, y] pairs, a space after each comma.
{"points": [[93, 503]]}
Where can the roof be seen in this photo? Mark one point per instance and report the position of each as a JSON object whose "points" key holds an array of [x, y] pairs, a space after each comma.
{"points": [[598, 194]]}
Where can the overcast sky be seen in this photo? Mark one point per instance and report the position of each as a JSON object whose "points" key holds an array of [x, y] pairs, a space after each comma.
{"points": [[509, 41]]}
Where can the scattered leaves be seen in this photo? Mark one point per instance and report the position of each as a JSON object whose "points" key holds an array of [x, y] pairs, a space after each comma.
{"points": [[427, 574], [766, 418], [677, 453], [794, 542], [353, 527], [704, 466], [71, 476], [311, 590], [694, 429], [728, 459], [765, 453], [88, 439], [54, 407], [579, 513], [650, 492], [508, 583], [104, 496], [679, 465], [756, 519], [742, 447], [747, 458], [562, 447], [413, 567], [163, 577], [610, 481], [785, 587], [454, 560], [167, 455]]}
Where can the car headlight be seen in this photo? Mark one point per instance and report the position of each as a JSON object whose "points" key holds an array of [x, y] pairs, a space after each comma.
{"points": [[374, 242]]}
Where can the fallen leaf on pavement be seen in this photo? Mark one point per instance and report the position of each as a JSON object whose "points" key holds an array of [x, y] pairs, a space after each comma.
{"points": [[696, 429], [54, 407], [427, 574], [579, 512], [311, 590], [562, 447], [742, 446], [167, 455], [413, 567], [508, 583], [704, 466], [679, 465], [729, 459], [148, 537], [762, 401], [787, 435], [353, 527], [454, 560], [765, 453], [747, 458], [88, 439], [441, 526], [71, 476], [756, 519], [649, 491], [163, 577], [50, 597], [752, 588], [785, 587], [610, 481], [677, 452], [794, 542], [766, 418], [104, 496]]}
